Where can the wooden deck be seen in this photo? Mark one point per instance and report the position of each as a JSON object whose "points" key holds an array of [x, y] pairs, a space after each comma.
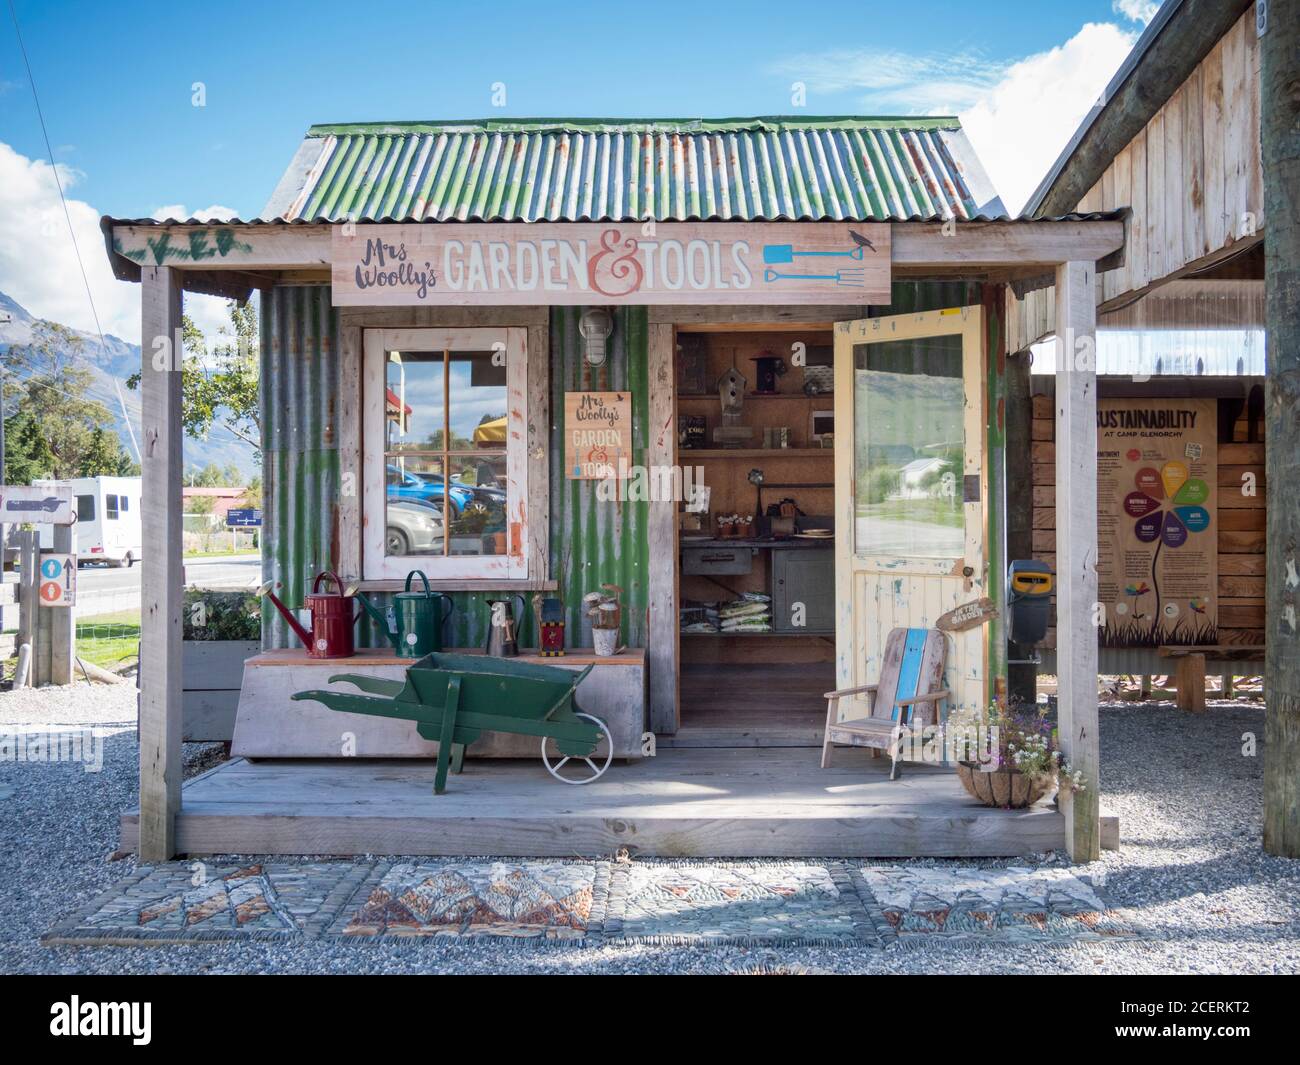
{"points": [[685, 802]]}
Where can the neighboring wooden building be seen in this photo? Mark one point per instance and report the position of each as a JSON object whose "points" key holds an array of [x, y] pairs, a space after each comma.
{"points": [[1174, 144], [463, 269]]}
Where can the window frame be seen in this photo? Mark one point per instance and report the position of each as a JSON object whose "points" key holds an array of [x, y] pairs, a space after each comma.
{"points": [[111, 509], [376, 565]]}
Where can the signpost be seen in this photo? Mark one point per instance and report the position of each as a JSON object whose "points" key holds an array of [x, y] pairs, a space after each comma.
{"points": [[48, 579], [243, 518]]}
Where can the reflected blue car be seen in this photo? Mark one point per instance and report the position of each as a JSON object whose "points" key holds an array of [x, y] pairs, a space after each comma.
{"points": [[427, 488]]}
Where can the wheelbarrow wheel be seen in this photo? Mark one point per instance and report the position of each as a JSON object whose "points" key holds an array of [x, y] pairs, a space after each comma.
{"points": [[587, 769]]}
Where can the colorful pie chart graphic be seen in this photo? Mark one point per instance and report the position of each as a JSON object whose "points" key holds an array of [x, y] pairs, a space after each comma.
{"points": [[1173, 525]]}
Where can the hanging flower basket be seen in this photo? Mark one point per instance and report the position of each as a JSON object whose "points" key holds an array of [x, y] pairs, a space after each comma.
{"points": [[1005, 787]]}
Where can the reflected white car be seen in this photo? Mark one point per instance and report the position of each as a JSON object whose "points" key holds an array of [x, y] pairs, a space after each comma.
{"points": [[412, 529]]}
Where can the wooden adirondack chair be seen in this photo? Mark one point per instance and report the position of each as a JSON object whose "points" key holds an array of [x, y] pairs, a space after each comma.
{"points": [[906, 697]]}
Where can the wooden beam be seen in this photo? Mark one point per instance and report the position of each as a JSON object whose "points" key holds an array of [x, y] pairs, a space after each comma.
{"points": [[662, 630], [1076, 549], [916, 245], [975, 245], [163, 579]]}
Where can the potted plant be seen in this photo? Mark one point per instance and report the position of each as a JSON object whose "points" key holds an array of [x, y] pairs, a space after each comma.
{"points": [[467, 530], [219, 630], [605, 612], [1007, 757]]}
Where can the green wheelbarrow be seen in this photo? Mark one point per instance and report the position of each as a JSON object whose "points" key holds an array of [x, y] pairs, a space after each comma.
{"points": [[454, 699]]}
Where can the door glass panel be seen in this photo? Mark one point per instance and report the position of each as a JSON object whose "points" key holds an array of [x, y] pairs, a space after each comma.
{"points": [[908, 455]]}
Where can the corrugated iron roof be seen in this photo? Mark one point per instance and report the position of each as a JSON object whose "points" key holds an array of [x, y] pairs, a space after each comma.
{"points": [[758, 169]]}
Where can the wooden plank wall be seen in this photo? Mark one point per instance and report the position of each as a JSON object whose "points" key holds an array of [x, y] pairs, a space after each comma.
{"points": [[1193, 177], [1241, 525]]}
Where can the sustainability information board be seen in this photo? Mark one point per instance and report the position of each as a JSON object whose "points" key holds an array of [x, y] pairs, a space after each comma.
{"points": [[1157, 516]]}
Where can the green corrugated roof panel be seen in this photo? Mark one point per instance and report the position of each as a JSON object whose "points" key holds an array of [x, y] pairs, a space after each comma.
{"points": [[571, 170]]}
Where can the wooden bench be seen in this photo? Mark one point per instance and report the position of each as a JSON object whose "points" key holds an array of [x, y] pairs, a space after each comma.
{"points": [[1189, 668]]}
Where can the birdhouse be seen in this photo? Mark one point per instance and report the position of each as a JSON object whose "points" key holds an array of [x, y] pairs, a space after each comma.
{"points": [[731, 390]]}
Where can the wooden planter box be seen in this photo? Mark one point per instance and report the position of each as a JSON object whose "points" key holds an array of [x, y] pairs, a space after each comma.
{"points": [[211, 672]]}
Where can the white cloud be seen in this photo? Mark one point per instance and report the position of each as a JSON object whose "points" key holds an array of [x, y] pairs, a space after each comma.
{"points": [[178, 212], [1021, 125], [38, 266], [896, 81], [1142, 11]]}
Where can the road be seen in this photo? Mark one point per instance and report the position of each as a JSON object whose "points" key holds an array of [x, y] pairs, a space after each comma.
{"points": [[104, 590]]}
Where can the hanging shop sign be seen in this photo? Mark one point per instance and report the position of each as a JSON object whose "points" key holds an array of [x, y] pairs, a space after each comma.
{"points": [[967, 616], [56, 583], [41, 504], [597, 434], [1157, 508], [611, 262]]}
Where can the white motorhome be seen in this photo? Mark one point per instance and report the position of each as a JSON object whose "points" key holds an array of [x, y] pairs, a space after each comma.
{"points": [[108, 525]]}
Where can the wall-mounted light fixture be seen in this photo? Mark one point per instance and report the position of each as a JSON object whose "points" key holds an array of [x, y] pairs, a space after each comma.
{"points": [[595, 326]]}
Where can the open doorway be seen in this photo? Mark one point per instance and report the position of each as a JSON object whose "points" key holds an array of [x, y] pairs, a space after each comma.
{"points": [[756, 567]]}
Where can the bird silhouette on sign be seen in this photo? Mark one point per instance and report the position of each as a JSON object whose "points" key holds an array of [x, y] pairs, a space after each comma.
{"points": [[861, 241]]}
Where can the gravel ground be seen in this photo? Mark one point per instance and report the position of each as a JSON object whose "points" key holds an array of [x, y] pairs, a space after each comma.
{"points": [[1191, 875]]}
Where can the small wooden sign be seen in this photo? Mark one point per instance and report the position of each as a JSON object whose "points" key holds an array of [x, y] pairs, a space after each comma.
{"points": [[968, 616], [597, 435], [585, 263], [41, 504], [57, 579]]}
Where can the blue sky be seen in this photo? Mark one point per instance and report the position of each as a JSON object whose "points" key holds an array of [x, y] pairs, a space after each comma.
{"points": [[116, 78]]}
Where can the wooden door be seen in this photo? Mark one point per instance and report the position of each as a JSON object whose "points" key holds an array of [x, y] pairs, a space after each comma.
{"points": [[910, 490]]}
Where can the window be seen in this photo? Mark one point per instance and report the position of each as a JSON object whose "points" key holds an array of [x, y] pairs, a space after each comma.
{"points": [[122, 502], [909, 448], [444, 452], [85, 508], [110, 507]]}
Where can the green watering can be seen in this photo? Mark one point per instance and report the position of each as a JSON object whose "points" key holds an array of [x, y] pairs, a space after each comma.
{"points": [[420, 618]]}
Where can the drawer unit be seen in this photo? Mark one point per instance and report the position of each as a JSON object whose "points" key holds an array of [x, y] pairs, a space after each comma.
{"points": [[709, 561], [808, 578]]}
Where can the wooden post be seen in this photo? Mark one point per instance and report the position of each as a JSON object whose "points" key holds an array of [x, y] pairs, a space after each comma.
{"points": [[1022, 680], [662, 639], [52, 655], [1280, 148], [163, 578], [1076, 548], [28, 600]]}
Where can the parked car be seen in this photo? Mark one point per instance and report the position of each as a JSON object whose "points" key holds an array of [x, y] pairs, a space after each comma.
{"points": [[427, 487], [413, 528]]}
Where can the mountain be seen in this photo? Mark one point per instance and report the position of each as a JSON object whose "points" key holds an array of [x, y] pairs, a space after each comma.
{"points": [[115, 360]]}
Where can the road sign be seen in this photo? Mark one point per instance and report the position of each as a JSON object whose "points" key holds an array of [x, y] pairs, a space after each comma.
{"points": [[39, 503], [57, 579], [241, 518]]}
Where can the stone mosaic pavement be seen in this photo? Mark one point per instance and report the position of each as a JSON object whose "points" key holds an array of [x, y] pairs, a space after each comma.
{"points": [[507, 900], [1013, 903], [810, 903]]}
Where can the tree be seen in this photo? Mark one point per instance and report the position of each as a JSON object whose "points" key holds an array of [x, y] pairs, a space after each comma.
{"points": [[27, 454], [54, 382], [104, 455], [219, 384]]}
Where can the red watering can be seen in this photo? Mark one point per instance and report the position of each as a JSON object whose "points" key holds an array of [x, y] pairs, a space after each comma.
{"points": [[332, 618]]}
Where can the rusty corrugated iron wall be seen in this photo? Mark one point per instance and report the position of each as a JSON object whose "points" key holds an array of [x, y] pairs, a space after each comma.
{"points": [[300, 459], [592, 541]]}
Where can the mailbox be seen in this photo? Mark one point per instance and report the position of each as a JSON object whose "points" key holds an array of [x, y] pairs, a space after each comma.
{"points": [[1029, 595]]}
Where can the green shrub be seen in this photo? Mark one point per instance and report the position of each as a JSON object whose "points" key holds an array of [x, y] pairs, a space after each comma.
{"points": [[211, 615]]}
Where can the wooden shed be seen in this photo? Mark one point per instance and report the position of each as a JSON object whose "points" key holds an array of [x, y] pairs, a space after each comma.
{"points": [[790, 311]]}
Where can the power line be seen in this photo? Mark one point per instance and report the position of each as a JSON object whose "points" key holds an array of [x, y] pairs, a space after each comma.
{"points": [[58, 184]]}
